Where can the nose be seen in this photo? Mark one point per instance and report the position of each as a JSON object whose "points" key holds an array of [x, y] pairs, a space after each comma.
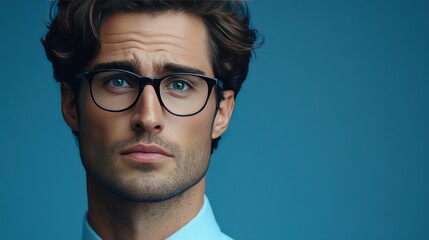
{"points": [[148, 115]]}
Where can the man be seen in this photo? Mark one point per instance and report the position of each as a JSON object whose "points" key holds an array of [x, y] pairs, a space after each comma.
{"points": [[148, 88]]}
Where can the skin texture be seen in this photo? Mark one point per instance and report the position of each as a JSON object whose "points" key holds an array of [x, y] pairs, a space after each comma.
{"points": [[134, 200]]}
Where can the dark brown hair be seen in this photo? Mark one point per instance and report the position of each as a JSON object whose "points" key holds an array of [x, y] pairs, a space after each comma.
{"points": [[73, 37]]}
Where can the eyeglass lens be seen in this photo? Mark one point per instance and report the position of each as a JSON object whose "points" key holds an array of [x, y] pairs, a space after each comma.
{"points": [[180, 94]]}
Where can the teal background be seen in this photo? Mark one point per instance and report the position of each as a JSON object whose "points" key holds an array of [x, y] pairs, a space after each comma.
{"points": [[329, 140]]}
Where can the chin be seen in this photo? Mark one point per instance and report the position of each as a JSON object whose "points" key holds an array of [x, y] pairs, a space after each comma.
{"points": [[149, 188]]}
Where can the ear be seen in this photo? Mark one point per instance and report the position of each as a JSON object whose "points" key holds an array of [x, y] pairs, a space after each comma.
{"points": [[68, 106], [223, 115]]}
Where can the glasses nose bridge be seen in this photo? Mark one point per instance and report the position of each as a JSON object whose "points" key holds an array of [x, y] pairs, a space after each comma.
{"points": [[147, 81], [154, 82]]}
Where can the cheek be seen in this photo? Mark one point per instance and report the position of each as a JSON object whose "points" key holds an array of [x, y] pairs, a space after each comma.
{"points": [[190, 131], [98, 129], [194, 130]]}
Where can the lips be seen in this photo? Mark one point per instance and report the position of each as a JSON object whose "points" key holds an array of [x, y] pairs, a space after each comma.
{"points": [[145, 153]]}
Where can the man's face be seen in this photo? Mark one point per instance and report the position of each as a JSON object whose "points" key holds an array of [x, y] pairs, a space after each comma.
{"points": [[146, 153]]}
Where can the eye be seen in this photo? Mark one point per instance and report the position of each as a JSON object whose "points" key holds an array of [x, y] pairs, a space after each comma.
{"points": [[118, 82], [178, 85], [182, 86]]}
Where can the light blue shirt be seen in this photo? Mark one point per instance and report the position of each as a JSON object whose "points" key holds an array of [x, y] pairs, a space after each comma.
{"points": [[202, 226]]}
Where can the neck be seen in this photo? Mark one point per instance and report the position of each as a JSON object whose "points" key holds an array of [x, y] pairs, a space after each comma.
{"points": [[113, 217]]}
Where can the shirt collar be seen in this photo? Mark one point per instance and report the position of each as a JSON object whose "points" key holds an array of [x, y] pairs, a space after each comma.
{"points": [[202, 226]]}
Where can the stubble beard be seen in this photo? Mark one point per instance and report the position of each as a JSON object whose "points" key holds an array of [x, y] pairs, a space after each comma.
{"points": [[191, 166]]}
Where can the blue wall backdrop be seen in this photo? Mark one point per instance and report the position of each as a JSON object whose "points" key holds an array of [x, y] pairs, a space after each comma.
{"points": [[329, 140]]}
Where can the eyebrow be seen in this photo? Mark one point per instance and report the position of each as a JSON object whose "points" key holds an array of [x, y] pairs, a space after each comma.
{"points": [[169, 67], [131, 65], [135, 66]]}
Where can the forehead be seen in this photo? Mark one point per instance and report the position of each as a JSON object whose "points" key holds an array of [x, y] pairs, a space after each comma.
{"points": [[154, 40]]}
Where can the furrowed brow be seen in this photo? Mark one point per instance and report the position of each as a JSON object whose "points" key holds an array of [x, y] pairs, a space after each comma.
{"points": [[129, 65], [168, 67]]}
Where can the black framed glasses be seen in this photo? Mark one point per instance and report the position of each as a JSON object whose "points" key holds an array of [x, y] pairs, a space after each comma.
{"points": [[181, 94]]}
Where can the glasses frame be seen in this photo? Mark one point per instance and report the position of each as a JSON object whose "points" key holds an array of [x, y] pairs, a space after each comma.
{"points": [[155, 82]]}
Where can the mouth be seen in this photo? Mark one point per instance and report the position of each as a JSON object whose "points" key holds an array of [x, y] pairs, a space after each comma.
{"points": [[143, 153]]}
